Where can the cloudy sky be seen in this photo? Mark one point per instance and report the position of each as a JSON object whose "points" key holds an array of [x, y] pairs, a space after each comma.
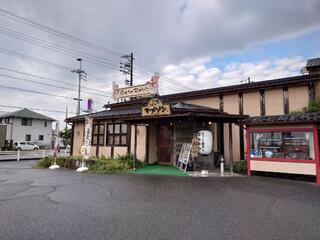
{"points": [[194, 44]]}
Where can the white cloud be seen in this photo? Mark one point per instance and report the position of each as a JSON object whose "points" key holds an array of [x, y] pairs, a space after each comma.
{"points": [[200, 76]]}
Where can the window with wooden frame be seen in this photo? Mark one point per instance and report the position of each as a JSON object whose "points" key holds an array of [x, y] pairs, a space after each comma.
{"points": [[98, 134], [117, 134]]}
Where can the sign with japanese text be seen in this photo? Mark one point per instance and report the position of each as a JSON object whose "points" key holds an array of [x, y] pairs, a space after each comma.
{"points": [[194, 149], [155, 107], [143, 90], [85, 149]]}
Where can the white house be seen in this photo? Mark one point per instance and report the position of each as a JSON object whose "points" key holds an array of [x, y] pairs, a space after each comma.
{"points": [[27, 125]]}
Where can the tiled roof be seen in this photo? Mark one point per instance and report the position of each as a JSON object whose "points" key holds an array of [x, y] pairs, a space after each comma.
{"points": [[26, 113], [175, 107], [288, 118], [314, 62]]}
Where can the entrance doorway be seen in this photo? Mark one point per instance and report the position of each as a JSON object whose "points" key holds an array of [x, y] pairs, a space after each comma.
{"points": [[164, 144]]}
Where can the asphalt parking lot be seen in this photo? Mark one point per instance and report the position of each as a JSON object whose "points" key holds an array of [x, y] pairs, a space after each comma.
{"points": [[63, 204]]}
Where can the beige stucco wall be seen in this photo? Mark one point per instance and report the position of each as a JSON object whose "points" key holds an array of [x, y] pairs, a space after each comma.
{"points": [[153, 148], [119, 151], [274, 101], [77, 138], [141, 143], [93, 150], [235, 143], [298, 98], [212, 102], [251, 103], [231, 105], [283, 167], [105, 151]]}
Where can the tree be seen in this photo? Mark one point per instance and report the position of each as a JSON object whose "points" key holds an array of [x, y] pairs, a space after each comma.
{"points": [[66, 135]]}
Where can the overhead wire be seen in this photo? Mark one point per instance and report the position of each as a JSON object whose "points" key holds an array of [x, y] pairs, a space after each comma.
{"points": [[50, 79], [35, 109], [51, 85], [53, 31], [50, 30]]}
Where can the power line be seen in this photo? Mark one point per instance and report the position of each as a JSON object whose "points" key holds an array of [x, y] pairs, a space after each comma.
{"points": [[41, 93], [37, 60], [39, 26], [23, 36], [49, 85], [53, 80], [35, 109], [40, 61], [50, 30], [61, 49], [33, 91]]}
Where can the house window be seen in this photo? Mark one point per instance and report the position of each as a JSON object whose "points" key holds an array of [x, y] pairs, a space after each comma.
{"points": [[262, 103], [98, 134], [28, 137], [41, 137], [281, 144], [221, 102], [285, 101], [45, 124], [26, 122], [117, 134]]}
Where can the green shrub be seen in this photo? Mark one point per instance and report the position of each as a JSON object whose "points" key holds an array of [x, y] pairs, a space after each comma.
{"points": [[95, 164], [44, 163], [238, 167]]}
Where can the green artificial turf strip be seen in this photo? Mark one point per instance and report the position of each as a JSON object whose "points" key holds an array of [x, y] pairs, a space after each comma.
{"points": [[160, 170]]}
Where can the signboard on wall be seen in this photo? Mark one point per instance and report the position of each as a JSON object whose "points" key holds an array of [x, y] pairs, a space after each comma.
{"points": [[86, 147], [144, 90], [155, 107]]}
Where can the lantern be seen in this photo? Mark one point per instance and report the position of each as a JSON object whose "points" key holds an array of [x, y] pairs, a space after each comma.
{"points": [[204, 142]]}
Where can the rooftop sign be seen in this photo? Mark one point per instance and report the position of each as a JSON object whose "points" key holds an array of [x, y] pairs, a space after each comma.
{"points": [[143, 90]]}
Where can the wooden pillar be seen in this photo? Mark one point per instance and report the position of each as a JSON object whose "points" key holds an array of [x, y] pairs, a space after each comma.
{"points": [[147, 144], [72, 141], [135, 140], [230, 149], [316, 150]]}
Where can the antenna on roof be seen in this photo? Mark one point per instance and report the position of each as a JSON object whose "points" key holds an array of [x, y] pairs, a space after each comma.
{"points": [[247, 80], [304, 70]]}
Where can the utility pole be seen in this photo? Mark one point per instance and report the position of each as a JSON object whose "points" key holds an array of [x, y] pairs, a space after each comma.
{"points": [[67, 112], [82, 75], [127, 68]]}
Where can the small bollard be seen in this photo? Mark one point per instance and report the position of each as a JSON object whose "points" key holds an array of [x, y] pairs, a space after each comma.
{"points": [[221, 165], [18, 155], [43, 153], [65, 152]]}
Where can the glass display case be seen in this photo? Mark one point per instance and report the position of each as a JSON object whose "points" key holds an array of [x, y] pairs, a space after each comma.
{"points": [[282, 144]]}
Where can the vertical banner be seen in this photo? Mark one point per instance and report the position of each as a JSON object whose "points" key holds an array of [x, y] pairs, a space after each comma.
{"points": [[85, 151], [56, 139]]}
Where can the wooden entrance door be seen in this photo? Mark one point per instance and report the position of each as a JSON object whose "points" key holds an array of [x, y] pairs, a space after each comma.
{"points": [[164, 144]]}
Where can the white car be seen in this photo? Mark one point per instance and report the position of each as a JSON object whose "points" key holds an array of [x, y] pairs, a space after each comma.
{"points": [[25, 146]]}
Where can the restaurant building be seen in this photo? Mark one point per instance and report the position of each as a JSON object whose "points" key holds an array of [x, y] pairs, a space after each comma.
{"points": [[153, 128]]}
